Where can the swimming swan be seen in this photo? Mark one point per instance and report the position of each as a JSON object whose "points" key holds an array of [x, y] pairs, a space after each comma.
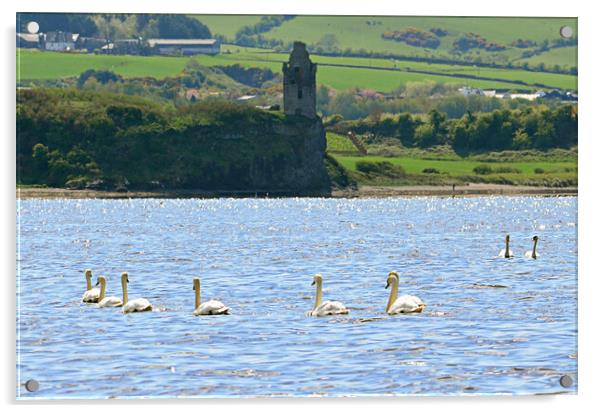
{"points": [[92, 294], [211, 307], [506, 252], [133, 306], [106, 301], [403, 304], [328, 307], [532, 253]]}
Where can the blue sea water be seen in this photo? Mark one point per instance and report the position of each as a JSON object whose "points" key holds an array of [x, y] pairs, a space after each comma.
{"points": [[491, 326]]}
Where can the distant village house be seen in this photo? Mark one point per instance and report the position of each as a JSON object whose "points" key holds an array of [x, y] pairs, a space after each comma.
{"points": [[185, 47], [59, 41]]}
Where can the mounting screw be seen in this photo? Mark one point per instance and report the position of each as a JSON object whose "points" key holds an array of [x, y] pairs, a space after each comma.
{"points": [[566, 381], [32, 385], [566, 32]]}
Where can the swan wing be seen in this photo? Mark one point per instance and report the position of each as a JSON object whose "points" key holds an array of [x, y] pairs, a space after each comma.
{"points": [[110, 302], [407, 304], [91, 296], [212, 307], [137, 305], [529, 254], [330, 308], [502, 254]]}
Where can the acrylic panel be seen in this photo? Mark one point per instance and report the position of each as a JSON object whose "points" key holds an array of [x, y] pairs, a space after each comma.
{"points": [[293, 206]]}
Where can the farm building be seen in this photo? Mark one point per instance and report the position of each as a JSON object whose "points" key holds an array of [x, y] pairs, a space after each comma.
{"points": [[60, 41], [184, 46]]}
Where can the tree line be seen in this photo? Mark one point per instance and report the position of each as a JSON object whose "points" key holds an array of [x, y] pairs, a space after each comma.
{"points": [[529, 128]]}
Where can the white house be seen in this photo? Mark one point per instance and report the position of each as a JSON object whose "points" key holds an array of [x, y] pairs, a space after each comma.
{"points": [[60, 41]]}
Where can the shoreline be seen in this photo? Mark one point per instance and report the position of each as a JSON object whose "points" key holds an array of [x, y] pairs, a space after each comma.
{"points": [[361, 192]]}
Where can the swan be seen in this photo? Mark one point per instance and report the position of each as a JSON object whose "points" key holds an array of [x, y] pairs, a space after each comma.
{"points": [[106, 301], [133, 306], [532, 253], [211, 307], [403, 304], [324, 308], [91, 295], [506, 252]]}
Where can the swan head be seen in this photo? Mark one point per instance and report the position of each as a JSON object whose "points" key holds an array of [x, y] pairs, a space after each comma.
{"points": [[317, 279], [196, 283], [507, 238], [393, 276], [535, 238], [101, 280], [88, 274], [124, 277]]}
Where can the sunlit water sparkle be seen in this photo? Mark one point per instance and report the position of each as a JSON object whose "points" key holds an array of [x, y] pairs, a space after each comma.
{"points": [[258, 256]]}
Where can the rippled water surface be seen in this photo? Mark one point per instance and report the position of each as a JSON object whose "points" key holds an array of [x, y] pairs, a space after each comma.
{"points": [[491, 326]]}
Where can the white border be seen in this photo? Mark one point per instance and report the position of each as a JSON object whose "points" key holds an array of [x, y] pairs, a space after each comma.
{"points": [[590, 171]]}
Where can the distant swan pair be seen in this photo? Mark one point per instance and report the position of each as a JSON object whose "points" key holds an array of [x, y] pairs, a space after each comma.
{"points": [[395, 305], [507, 253], [97, 295]]}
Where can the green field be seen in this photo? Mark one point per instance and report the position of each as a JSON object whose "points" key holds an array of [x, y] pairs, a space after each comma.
{"points": [[455, 168], [34, 65], [559, 167], [556, 173], [563, 57], [362, 32]]}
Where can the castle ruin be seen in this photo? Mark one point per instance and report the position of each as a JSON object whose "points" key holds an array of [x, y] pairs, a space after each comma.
{"points": [[299, 83]]}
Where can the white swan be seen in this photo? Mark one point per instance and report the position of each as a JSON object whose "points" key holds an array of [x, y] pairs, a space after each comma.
{"points": [[211, 307], [132, 306], [107, 301], [403, 304], [324, 308], [506, 252], [92, 294], [532, 253]]}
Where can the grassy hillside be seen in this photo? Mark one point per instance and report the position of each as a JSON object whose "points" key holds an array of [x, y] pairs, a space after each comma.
{"points": [[226, 25], [364, 32], [335, 72], [564, 56]]}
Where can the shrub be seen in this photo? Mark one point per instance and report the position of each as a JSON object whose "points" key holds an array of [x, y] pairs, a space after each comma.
{"points": [[383, 168], [430, 171], [539, 171], [482, 170]]}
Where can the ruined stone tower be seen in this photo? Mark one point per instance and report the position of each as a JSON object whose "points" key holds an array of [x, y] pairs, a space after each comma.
{"points": [[299, 83]]}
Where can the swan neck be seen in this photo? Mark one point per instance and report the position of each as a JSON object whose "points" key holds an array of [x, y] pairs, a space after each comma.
{"points": [[88, 282], [103, 289], [393, 295], [534, 246], [124, 287], [197, 297], [507, 253], [318, 294]]}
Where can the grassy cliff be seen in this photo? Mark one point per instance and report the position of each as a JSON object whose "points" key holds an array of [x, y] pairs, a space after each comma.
{"points": [[109, 141]]}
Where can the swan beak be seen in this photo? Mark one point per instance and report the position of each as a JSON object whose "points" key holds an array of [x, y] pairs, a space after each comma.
{"points": [[97, 283], [387, 286], [313, 282]]}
